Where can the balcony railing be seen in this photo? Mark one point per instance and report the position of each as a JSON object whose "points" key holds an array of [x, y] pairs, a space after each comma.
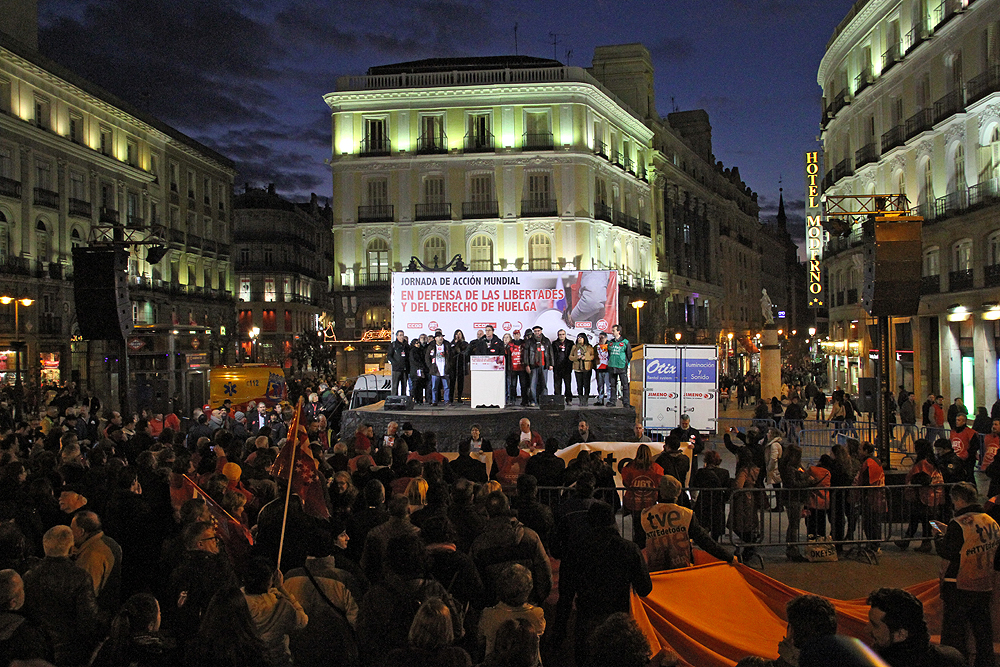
{"points": [[177, 236], [947, 106], [47, 198], [863, 80], [950, 204], [914, 37], [472, 210], [79, 208], [982, 85], [840, 100], [919, 122], [374, 279], [108, 216], [432, 144], [537, 141], [991, 275], [865, 155], [930, 284], [892, 138], [625, 221], [629, 165], [891, 56], [645, 228], [601, 148], [50, 325], [944, 12], [376, 213], [135, 221], [852, 295], [839, 299], [9, 187], [603, 212], [435, 211], [375, 146], [195, 241], [479, 142], [842, 170], [959, 280], [983, 193], [539, 207]]}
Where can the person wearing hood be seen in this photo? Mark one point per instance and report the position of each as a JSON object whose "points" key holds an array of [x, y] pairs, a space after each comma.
{"points": [[275, 612], [505, 540]]}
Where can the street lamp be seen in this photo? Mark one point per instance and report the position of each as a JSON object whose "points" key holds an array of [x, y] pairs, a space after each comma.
{"points": [[677, 336], [730, 353], [812, 331], [637, 304], [254, 332], [18, 387]]}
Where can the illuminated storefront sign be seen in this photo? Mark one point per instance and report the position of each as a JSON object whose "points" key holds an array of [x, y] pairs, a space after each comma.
{"points": [[814, 232]]}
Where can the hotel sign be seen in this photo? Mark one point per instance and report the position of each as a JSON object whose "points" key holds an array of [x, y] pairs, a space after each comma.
{"points": [[814, 233]]}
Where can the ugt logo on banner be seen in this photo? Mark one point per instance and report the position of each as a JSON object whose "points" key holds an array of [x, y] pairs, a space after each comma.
{"points": [[661, 370]]}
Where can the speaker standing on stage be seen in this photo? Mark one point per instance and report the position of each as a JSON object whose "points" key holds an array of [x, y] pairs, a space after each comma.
{"points": [[619, 355], [439, 362], [562, 365], [517, 363], [399, 360], [460, 365], [539, 360], [418, 369], [582, 356], [490, 344]]}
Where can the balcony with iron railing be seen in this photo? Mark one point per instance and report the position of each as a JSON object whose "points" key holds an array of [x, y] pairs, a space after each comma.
{"points": [[50, 325], [479, 142], [374, 279], [863, 80], [539, 206], [625, 221], [603, 212], [959, 280], [195, 241], [984, 193], [108, 216], [950, 204], [9, 187], [536, 141], [475, 210], [893, 138], [839, 299], [375, 147], [432, 144], [432, 211], [852, 295], [914, 37], [921, 121], [80, 208], [842, 169], [376, 213], [177, 236], [645, 228], [601, 149], [891, 56], [930, 284], [991, 275], [840, 100], [944, 12], [135, 221], [629, 165], [10, 264], [947, 106], [982, 85], [867, 154], [46, 198]]}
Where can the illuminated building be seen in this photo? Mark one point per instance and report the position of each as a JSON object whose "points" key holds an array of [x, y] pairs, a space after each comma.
{"points": [[519, 163], [284, 254], [912, 105], [73, 157]]}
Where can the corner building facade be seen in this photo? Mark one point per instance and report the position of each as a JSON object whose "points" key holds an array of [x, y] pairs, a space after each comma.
{"points": [[912, 106]]}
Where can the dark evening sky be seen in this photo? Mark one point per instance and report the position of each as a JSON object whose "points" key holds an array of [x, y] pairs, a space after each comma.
{"points": [[247, 77]]}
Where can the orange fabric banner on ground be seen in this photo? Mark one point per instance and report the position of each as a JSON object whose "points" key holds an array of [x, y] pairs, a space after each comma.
{"points": [[714, 614]]}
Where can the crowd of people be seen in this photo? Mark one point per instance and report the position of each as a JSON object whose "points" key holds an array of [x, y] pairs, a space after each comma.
{"points": [[135, 541], [433, 370]]}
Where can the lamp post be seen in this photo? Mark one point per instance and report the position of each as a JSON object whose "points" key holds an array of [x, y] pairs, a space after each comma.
{"points": [[254, 332], [677, 336], [18, 346], [637, 304], [729, 354]]}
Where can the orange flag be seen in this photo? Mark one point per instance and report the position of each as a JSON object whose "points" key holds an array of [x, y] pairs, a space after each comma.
{"points": [[304, 476]]}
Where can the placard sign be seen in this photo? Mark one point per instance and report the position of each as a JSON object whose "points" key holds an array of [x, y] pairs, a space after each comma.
{"points": [[486, 362]]}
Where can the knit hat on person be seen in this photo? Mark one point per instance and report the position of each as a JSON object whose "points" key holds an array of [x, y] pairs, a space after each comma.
{"points": [[232, 471]]}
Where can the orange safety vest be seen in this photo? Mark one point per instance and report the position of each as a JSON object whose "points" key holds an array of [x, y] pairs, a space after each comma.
{"points": [[668, 545], [509, 468], [991, 444], [975, 566], [818, 498], [960, 442]]}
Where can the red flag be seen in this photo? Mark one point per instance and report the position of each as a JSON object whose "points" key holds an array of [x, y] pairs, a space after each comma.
{"points": [[234, 535], [305, 479]]}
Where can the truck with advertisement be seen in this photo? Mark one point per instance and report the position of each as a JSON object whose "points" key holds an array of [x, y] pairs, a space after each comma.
{"points": [[243, 385], [668, 381]]}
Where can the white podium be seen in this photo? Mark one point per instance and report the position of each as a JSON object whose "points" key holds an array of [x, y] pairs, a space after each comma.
{"points": [[489, 378]]}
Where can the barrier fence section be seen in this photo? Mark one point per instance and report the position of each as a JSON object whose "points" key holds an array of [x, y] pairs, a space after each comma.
{"points": [[866, 517]]}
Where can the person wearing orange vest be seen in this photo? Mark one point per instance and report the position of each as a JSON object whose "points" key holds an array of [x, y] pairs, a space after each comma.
{"points": [[872, 501], [509, 463], [965, 444], [988, 456], [968, 549], [670, 529], [818, 502], [925, 502]]}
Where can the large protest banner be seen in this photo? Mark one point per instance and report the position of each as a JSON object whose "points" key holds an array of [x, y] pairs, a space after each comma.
{"points": [[578, 301]]}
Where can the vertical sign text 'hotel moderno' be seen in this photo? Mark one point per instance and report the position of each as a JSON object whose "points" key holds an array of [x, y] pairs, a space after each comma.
{"points": [[814, 232]]}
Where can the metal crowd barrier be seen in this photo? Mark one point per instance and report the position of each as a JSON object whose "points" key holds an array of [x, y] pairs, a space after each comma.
{"points": [[741, 424], [857, 519]]}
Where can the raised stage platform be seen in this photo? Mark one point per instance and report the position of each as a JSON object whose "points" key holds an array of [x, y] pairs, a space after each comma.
{"points": [[453, 422]]}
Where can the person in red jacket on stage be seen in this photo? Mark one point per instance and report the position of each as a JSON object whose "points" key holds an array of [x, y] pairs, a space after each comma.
{"points": [[965, 443]]}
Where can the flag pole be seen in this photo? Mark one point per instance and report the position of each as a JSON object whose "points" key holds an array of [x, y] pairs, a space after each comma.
{"points": [[294, 434]]}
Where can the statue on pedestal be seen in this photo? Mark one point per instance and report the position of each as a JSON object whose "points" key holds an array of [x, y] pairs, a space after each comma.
{"points": [[766, 307]]}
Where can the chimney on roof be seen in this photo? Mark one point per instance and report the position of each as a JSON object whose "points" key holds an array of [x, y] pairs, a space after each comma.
{"points": [[19, 20], [270, 189], [313, 203]]}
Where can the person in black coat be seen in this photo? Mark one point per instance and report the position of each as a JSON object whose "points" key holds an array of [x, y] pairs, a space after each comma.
{"points": [[439, 364], [562, 365], [399, 361], [418, 369], [459, 366], [465, 467]]}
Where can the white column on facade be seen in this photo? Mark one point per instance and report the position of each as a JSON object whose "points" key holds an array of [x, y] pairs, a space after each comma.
{"points": [[567, 198], [349, 184], [508, 200], [950, 360], [405, 179], [986, 364], [508, 136], [566, 135], [403, 141], [344, 126]]}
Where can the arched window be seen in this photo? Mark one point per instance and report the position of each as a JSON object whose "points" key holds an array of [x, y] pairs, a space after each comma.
{"points": [[927, 193], [932, 261], [378, 260], [76, 238], [989, 157], [961, 255], [481, 253], [993, 249], [42, 241], [539, 252], [435, 251], [960, 184]]}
